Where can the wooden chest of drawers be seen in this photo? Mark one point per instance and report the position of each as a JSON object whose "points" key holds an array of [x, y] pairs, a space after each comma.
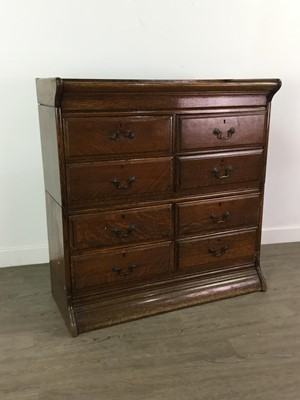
{"points": [[154, 193]]}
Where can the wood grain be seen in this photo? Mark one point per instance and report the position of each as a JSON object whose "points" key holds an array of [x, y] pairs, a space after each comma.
{"points": [[217, 251], [95, 180], [218, 214], [199, 132], [242, 348], [122, 266], [115, 228], [219, 169], [155, 193], [117, 136]]}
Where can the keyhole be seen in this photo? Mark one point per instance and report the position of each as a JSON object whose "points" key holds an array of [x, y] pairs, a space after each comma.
{"points": [[123, 216], [224, 121], [124, 254]]}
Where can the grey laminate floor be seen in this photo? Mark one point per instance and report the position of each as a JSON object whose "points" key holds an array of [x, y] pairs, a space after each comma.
{"points": [[238, 349]]}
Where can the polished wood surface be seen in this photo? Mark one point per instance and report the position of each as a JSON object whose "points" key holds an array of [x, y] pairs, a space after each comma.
{"points": [[52, 154], [159, 192], [217, 251], [58, 254], [220, 169], [118, 178], [122, 266], [114, 228], [91, 94], [216, 215], [200, 132], [117, 135]]}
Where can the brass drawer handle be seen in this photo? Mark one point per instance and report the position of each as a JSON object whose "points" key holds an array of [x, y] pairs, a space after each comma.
{"points": [[118, 184], [122, 272], [129, 134], [115, 135], [222, 251], [220, 220], [227, 172], [220, 135], [119, 234]]}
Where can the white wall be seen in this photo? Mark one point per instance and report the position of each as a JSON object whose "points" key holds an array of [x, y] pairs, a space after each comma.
{"points": [[154, 39]]}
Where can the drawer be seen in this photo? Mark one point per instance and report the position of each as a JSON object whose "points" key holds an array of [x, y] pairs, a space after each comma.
{"points": [[220, 214], [202, 132], [96, 180], [92, 136], [219, 251], [121, 227], [219, 169], [121, 267]]}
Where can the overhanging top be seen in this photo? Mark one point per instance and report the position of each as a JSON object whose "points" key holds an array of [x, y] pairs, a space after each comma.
{"points": [[51, 90]]}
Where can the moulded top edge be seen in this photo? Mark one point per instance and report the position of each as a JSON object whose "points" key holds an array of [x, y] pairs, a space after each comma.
{"points": [[176, 85], [53, 88]]}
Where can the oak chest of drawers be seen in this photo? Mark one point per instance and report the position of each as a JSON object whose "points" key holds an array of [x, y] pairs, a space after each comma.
{"points": [[154, 193]]}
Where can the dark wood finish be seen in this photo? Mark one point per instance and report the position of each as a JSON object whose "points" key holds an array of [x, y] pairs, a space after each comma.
{"points": [[123, 266], [146, 215], [118, 178], [156, 102], [117, 136], [197, 289], [217, 251], [221, 131], [115, 228], [59, 273], [215, 215], [52, 156], [220, 169]]}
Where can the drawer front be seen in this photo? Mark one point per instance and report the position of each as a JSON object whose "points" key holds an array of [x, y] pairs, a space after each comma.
{"points": [[219, 251], [92, 181], [215, 215], [92, 136], [200, 132], [120, 227], [219, 169], [121, 266]]}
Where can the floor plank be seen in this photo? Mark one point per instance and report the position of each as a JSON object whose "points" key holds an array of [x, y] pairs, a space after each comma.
{"points": [[242, 348]]}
